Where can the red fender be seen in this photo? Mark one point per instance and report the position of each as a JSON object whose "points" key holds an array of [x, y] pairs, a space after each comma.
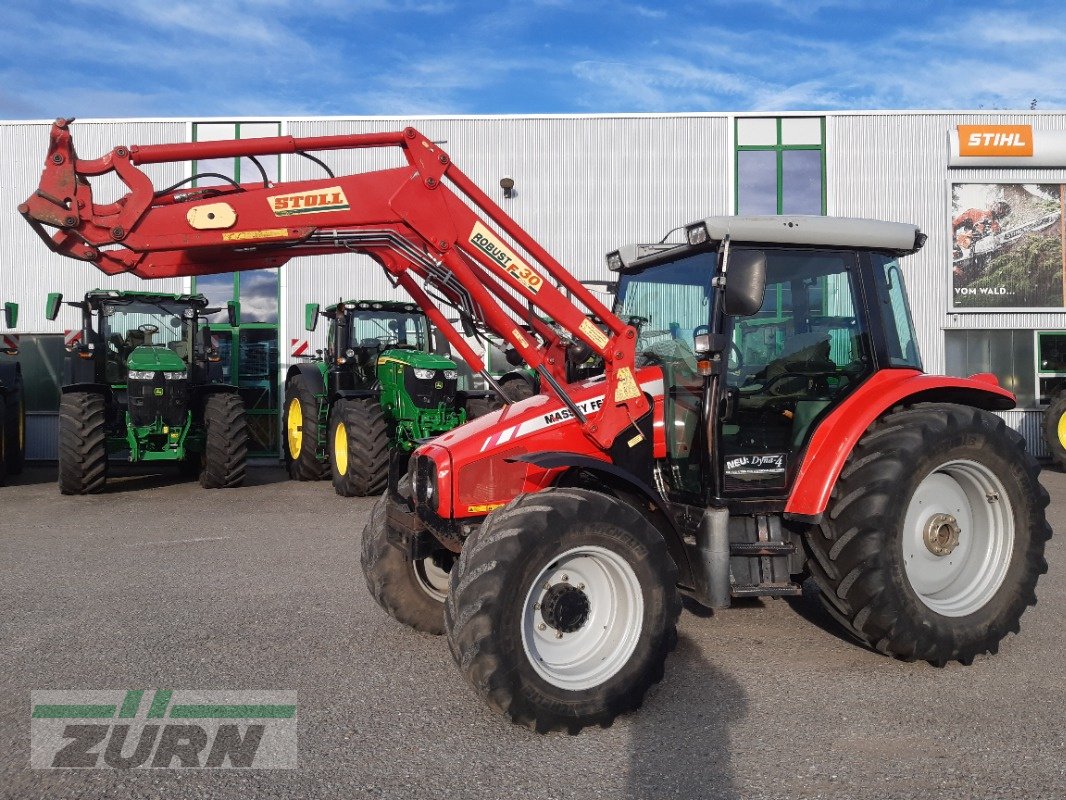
{"points": [[838, 433]]}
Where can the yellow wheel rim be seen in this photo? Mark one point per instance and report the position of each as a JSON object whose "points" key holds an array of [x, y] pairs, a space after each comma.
{"points": [[295, 428], [340, 449], [1062, 430]]}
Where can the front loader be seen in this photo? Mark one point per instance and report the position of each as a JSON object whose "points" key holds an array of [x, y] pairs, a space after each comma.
{"points": [[766, 415], [12, 400], [377, 387], [144, 377]]}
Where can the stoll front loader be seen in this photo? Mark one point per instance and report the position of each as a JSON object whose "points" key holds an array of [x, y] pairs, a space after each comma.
{"points": [[377, 387], [12, 400], [787, 426], [143, 376]]}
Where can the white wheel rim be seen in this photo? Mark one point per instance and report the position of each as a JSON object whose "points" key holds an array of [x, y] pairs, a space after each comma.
{"points": [[958, 536], [605, 640], [432, 579]]}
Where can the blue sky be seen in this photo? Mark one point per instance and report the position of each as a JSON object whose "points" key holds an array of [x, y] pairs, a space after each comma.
{"points": [[89, 58]]}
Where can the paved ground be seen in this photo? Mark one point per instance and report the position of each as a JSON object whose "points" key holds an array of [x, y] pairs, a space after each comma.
{"points": [[162, 584]]}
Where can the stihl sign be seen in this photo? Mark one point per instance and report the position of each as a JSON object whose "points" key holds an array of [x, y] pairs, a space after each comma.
{"points": [[995, 140]]}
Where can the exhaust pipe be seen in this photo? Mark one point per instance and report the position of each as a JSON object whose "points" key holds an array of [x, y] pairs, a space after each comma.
{"points": [[712, 543]]}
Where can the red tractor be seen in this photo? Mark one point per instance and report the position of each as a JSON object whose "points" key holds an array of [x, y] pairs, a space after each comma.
{"points": [[762, 416]]}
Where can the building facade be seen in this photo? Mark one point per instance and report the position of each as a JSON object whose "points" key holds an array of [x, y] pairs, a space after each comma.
{"points": [[986, 187]]}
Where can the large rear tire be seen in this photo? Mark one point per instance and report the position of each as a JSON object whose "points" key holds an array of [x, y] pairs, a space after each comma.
{"points": [[358, 448], [1055, 428], [301, 431], [15, 416], [225, 455], [563, 608], [412, 592], [82, 443], [934, 537], [517, 388]]}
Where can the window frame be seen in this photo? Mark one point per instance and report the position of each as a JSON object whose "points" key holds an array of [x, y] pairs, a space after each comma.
{"points": [[779, 149]]}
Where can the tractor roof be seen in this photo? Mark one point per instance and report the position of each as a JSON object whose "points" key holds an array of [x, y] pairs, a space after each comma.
{"points": [[103, 296], [395, 306], [844, 232]]}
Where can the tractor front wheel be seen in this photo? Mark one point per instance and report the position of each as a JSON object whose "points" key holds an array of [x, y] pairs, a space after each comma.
{"points": [[934, 538], [301, 432], [1055, 428], [411, 591], [82, 443], [358, 448], [226, 442], [563, 608]]}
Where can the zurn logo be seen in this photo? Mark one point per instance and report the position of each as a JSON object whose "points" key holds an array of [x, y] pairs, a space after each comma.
{"points": [[162, 729]]}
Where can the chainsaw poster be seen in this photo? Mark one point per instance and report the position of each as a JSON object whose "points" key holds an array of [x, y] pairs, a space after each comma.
{"points": [[1007, 246]]}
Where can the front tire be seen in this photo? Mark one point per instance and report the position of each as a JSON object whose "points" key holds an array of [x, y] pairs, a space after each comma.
{"points": [[1055, 428], [226, 442], [412, 592], [563, 609], [934, 537], [82, 443], [301, 429], [358, 448]]}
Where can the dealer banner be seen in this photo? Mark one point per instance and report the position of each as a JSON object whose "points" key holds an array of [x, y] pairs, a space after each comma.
{"points": [[1007, 246]]}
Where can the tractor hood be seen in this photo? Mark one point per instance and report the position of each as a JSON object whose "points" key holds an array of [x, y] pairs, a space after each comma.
{"points": [[417, 359], [153, 358]]}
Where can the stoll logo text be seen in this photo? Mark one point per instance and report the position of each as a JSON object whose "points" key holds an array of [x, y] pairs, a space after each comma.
{"points": [[162, 729]]}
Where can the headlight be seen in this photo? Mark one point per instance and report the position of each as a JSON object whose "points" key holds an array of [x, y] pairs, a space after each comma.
{"points": [[614, 262], [176, 376], [350, 353], [141, 375], [425, 374], [451, 374], [697, 234]]}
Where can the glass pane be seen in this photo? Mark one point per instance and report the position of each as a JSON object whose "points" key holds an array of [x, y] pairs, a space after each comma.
{"points": [[1053, 352], [757, 182], [41, 357], [259, 295], [257, 368], [755, 131], [801, 178], [801, 130], [896, 315], [218, 289]]}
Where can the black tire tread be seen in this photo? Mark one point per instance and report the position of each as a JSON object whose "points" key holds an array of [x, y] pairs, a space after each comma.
{"points": [[307, 467], [82, 443], [368, 448], [224, 464]]}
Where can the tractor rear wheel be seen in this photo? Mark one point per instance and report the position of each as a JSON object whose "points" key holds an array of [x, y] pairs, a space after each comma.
{"points": [[15, 449], [934, 537], [1055, 428], [225, 442], [358, 448], [412, 592], [82, 443], [480, 406], [517, 388], [563, 608], [301, 431]]}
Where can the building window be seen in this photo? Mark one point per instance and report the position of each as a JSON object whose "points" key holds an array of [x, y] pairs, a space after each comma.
{"points": [[1007, 354], [780, 165]]}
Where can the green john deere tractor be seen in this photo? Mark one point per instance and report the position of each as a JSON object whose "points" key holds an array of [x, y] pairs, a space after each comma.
{"points": [[12, 401], [144, 376], [378, 386]]}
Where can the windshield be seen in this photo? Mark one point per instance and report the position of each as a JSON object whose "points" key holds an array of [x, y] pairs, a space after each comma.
{"points": [[128, 325], [388, 329], [669, 303]]}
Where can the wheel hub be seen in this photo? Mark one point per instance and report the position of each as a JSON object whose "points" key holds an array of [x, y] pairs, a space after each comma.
{"points": [[941, 534], [565, 608]]}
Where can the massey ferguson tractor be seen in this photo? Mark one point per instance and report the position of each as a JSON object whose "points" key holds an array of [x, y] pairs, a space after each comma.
{"points": [[143, 376], [377, 387], [12, 400], [766, 415]]}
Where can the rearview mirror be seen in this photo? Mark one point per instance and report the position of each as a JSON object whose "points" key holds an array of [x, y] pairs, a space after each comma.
{"points": [[745, 283], [311, 316], [233, 311], [11, 314], [52, 304]]}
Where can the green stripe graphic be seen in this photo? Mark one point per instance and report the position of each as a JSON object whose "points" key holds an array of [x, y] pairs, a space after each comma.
{"points": [[160, 701], [65, 711], [131, 703], [233, 711]]}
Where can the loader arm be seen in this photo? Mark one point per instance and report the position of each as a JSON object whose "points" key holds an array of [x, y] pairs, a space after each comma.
{"points": [[420, 222]]}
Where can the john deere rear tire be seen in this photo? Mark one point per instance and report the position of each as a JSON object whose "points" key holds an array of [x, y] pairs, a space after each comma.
{"points": [[1055, 428], [15, 450], [480, 406], [300, 428], [412, 592], [934, 537], [358, 448], [226, 442], [517, 388], [563, 608], [82, 443]]}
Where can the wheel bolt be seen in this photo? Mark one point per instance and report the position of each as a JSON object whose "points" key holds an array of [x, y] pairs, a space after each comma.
{"points": [[566, 577], [541, 627], [536, 606], [559, 635], [581, 586]]}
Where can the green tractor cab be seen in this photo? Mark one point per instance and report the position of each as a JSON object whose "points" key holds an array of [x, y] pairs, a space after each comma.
{"points": [[378, 386], [144, 376], [12, 400]]}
